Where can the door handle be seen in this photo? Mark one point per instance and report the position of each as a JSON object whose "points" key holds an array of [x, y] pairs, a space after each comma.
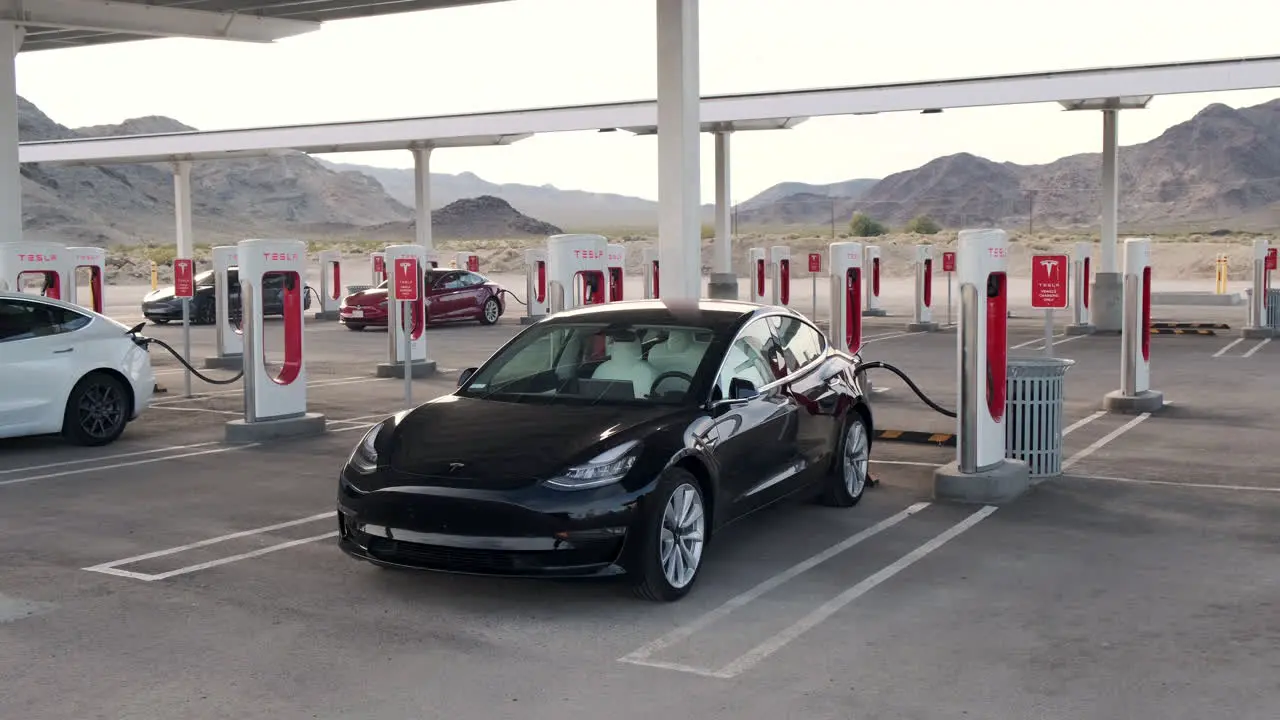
{"points": [[59, 352]]}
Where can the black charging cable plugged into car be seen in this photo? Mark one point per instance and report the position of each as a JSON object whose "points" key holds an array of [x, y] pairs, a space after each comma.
{"points": [[144, 341], [505, 291], [881, 365]]}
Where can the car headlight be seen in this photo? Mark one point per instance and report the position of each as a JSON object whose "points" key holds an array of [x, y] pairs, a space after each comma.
{"points": [[365, 457], [603, 469]]}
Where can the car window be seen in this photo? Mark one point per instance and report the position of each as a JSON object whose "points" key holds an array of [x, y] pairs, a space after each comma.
{"points": [[801, 344], [470, 279], [590, 363], [754, 356], [22, 320], [452, 281]]}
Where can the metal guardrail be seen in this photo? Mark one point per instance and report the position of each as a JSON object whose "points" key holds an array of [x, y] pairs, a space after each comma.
{"points": [[1034, 412]]}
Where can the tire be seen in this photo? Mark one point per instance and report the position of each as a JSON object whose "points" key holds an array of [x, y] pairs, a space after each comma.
{"points": [[646, 568], [491, 311], [849, 476], [97, 410]]}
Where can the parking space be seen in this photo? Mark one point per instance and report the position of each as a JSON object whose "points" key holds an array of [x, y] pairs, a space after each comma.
{"points": [[172, 575]]}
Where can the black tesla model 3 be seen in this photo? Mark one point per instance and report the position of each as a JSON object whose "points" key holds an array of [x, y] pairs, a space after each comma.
{"points": [[611, 439]]}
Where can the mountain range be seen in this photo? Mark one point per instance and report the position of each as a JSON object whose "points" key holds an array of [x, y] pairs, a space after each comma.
{"points": [[1220, 168]]}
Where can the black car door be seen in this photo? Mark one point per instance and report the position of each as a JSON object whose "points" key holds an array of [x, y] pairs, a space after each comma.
{"points": [[804, 350], [755, 447]]}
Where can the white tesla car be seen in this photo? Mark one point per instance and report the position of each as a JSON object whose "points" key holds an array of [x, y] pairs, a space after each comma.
{"points": [[68, 370]]}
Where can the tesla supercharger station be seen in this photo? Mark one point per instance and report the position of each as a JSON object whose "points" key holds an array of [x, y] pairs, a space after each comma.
{"points": [[576, 271], [330, 284], [758, 274], [379, 263], [1135, 394], [981, 472], [652, 278], [871, 278], [416, 346], [228, 320], [535, 285], [780, 274], [49, 261], [275, 399], [616, 261], [846, 296], [467, 261], [1258, 328], [922, 302], [1081, 267], [95, 261]]}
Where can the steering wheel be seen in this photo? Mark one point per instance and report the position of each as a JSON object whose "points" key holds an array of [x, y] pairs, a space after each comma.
{"points": [[669, 374]]}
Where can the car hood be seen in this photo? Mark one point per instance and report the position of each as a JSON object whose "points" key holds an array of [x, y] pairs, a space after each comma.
{"points": [[505, 445], [167, 293]]}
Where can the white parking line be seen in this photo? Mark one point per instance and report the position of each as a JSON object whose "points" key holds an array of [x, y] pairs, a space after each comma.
{"points": [[640, 656], [829, 608], [112, 568], [1082, 422], [100, 458], [1228, 346], [100, 468], [1256, 348], [1019, 346], [203, 410], [1102, 442], [310, 384], [1172, 483], [1039, 342]]}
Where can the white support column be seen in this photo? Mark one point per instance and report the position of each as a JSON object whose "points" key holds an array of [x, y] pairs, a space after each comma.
{"points": [[182, 208], [724, 281], [679, 174], [10, 176], [422, 196], [1108, 261], [1106, 301]]}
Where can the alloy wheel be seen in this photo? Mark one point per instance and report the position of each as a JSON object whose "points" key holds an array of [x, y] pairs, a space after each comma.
{"points": [[682, 536], [491, 311], [857, 458], [101, 410]]}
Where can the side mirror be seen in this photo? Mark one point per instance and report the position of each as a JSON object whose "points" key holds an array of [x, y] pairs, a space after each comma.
{"points": [[740, 389], [466, 375]]}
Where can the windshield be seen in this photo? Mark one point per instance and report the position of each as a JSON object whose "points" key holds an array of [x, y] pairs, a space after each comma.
{"points": [[596, 363], [205, 279]]}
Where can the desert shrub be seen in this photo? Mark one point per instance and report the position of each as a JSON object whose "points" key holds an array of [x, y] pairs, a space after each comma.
{"points": [[861, 225], [923, 225]]}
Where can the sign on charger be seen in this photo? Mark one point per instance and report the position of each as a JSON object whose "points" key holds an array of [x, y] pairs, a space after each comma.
{"points": [[948, 262], [1049, 282], [184, 278], [405, 283], [1270, 263], [815, 262]]}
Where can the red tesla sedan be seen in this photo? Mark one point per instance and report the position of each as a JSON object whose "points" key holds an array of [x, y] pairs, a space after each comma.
{"points": [[452, 296]]}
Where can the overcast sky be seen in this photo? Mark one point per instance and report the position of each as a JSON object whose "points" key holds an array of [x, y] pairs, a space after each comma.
{"points": [[530, 53]]}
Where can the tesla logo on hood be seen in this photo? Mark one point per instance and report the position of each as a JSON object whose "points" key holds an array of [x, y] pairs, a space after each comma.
{"points": [[454, 467]]}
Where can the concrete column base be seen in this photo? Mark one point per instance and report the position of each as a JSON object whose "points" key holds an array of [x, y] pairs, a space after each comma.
{"points": [[417, 369], [224, 362], [529, 320], [723, 286], [243, 431], [1106, 303], [1085, 329], [999, 484], [326, 315], [1144, 402], [922, 327], [1257, 333], [876, 312]]}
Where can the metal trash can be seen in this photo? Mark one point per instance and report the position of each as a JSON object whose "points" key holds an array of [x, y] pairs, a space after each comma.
{"points": [[353, 289], [1033, 413]]}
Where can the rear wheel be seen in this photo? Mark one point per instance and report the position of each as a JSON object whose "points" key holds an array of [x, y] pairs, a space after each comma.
{"points": [[668, 557], [847, 480], [97, 410], [491, 312]]}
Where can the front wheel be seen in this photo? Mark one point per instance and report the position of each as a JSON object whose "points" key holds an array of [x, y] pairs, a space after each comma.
{"points": [[96, 411], [847, 480], [491, 312], [668, 555]]}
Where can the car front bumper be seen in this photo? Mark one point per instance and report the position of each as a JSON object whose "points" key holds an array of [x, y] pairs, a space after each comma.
{"points": [[529, 532], [162, 311]]}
